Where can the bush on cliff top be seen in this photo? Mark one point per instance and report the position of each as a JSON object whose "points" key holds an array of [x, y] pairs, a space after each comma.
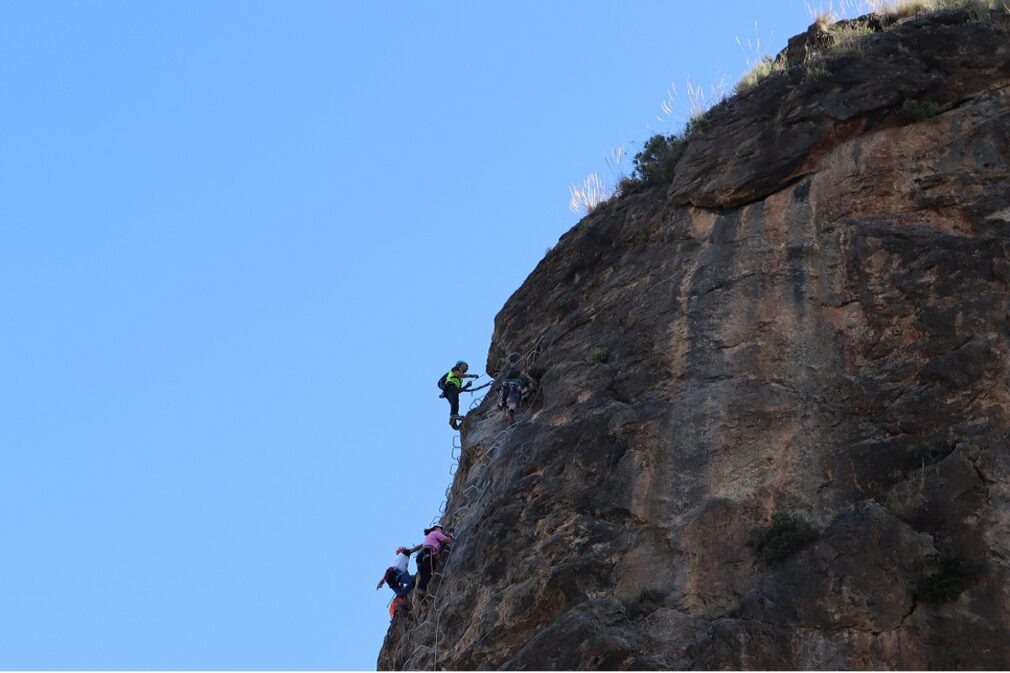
{"points": [[656, 162], [780, 540]]}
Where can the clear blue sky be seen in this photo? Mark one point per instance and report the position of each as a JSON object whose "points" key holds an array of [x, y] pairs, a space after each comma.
{"points": [[239, 242]]}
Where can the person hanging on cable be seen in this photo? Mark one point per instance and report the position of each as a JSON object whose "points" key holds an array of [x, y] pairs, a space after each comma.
{"points": [[435, 542], [451, 385]]}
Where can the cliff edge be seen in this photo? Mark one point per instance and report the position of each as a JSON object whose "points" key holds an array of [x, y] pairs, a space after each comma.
{"points": [[771, 428]]}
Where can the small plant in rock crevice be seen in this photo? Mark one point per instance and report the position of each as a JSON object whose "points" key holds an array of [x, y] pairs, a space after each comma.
{"points": [[814, 65], [929, 452], [786, 535], [598, 356], [647, 602], [953, 574], [917, 111]]}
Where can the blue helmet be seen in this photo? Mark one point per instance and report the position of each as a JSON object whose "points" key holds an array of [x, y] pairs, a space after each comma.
{"points": [[459, 364]]}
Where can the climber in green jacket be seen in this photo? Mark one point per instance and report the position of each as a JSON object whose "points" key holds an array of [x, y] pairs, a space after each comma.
{"points": [[451, 385]]}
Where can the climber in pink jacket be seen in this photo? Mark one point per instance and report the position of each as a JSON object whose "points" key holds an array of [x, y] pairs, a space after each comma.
{"points": [[434, 541]]}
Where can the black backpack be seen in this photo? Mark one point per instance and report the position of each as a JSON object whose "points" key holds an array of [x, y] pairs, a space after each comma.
{"points": [[441, 381]]}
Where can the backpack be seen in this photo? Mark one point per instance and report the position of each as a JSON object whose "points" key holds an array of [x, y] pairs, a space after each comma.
{"points": [[398, 603], [441, 381]]}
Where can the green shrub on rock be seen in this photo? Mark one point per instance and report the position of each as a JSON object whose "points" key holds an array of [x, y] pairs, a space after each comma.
{"points": [[918, 111], [658, 159], [780, 540], [953, 574]]}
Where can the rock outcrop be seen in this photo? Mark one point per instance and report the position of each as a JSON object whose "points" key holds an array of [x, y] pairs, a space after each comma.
{"points": [[812, 319]]}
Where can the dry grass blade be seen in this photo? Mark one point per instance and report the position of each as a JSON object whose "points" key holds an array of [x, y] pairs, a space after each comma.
{"points": [[587, 196]]}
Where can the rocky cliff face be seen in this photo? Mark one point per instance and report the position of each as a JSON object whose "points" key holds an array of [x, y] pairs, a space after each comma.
{"points": [[811, 320]]}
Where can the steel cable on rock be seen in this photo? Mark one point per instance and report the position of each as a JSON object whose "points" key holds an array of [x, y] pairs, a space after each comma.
{"points": [[457, 445], [481, 486], [482, 482]]}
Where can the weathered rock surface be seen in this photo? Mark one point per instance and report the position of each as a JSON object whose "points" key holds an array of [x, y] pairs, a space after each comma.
{"points": [[812, 318]]}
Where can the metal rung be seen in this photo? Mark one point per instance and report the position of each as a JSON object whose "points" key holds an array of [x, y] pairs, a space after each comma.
{"points": [[478, 483]]}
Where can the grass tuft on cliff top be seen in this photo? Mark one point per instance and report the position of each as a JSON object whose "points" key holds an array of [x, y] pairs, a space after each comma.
{"points": [[656, 163], [766, 67], [977, 9]]}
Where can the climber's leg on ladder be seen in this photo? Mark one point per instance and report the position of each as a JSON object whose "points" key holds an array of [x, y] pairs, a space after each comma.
{"points": [[451, 393]]}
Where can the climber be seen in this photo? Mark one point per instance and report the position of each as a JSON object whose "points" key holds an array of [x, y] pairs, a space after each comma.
{"points": [[397, 577], [434, 541], [515, 390], [400, 605], [451, 385]]}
